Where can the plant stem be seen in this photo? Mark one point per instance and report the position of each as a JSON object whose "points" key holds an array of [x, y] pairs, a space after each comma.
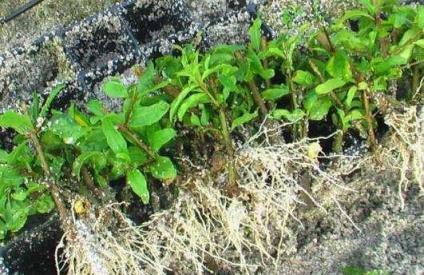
{"points": [[88, 181], [383, 41], [232, 187], [133, 137], [258, 99], [338, 142], [54, 190], [255, 93], [133, 96], [415, 79], [232, 174], [368, 116], [264, 45], [327, 36]]}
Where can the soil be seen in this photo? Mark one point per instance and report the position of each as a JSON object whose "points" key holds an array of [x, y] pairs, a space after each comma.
{"points": [[389, 238]]}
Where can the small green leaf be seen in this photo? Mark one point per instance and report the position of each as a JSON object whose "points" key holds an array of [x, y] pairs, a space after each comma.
{"points": [[195, 120], [34, 109], [383, 66], [192, 101], [409, 36], [17, 218], [304, 78], [339, 66], [276, 92], [3, 230], [356, 14], [114, 138], [246, 117], [329, 86], [146, 81], [163, 169], [3, 156], [317, 107], [66, 128], [179, 99], [44, 204], [420, 17], [96, 107], [138, 183], [53, 94], [255, 34], [420, 43], [160, 138], [21, 195], [138, 157], [293, 116], [82, 159], [350, 95], [148, 115], [369, 5], [115, 88], [20, 123]]}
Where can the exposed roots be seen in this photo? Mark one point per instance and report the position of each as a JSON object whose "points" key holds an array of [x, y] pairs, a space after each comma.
{"points": [[405, 147], [206, 230]]}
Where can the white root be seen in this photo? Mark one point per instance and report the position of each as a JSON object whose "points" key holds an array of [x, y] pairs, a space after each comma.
{"points": [[405, 147], [207, 229]]}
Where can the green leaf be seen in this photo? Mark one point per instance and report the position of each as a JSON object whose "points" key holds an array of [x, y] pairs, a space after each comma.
{"points": [[138, 183], [53, 94], [20, 195], [138, 157], [114, 138], [115, 88], [3, 156], [160, 138], [356, 14], [385, 65], [369, 5], [82, 159], [409, 36], [148, 115], [146, 81], [192, 101], [293, 116], [246, 117], [66, 128], [407, 52], [304, 78], [329, 86], [257, 66], [420, 43], [339, 66], [34, 109], [3, 230], [44, 204], [271, 52], [179, 99], [317, 107], [195, 120], [420, 17], [16, 218], [350, 95], [163, 169], [276, 92], [96, 107], [20, 123], [255, 34]]}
